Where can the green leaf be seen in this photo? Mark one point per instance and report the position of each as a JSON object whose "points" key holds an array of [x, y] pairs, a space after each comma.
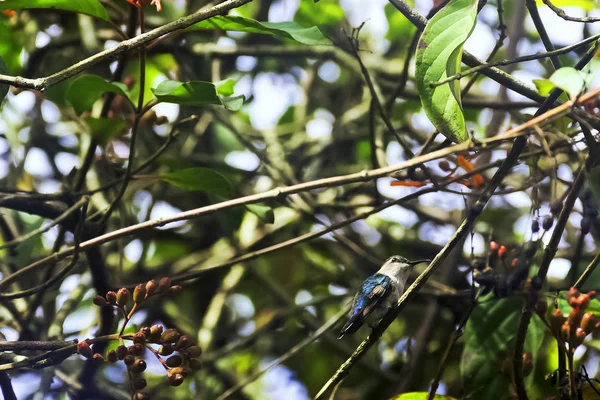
{"points": [[104, 129], [196, 93], [326, 12], [85, 90], [89, 7], [489, 338], [3, 86], [570, 80], [439, 55], [264, 213], [233, 103], [199, 179], [544, 86], [586, 5], [421, 396], [226, 87], [283, 30]]}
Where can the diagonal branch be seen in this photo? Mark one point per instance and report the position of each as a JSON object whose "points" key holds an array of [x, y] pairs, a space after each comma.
{"points": [[125, 46]]}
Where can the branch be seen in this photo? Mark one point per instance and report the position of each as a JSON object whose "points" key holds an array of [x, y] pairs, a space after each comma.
{"points": [[548, 256], [7, 390], [563, 15], [588, 272], [282, 192], [125, 46]]}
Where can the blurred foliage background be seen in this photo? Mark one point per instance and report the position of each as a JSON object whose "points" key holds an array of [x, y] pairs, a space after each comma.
{"points": [[308, 114]]}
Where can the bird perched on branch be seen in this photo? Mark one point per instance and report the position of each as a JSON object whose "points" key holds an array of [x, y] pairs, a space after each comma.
{"points": [[378, 293]]}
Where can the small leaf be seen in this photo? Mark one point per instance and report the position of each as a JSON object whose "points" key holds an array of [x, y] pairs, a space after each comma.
{"points": [[199, 179], [89, 7], [439, 55], [226, 87], [544, 86], [309, 13], [233, 103], [586, 5], [264, 213], [104, 129], [85, 90], [285, 30], [3, 86], [570, 80], [194, 93], [197, 93]]}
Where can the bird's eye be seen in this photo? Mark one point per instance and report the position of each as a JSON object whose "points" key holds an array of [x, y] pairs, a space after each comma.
{"points": [[395, 259]]}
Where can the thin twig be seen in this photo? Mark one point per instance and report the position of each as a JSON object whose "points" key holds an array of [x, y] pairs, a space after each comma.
{"points": [[560, 12]]}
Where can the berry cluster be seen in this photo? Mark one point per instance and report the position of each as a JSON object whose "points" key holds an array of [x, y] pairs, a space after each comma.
{"points": [[140, 293], [506, 280], [548, 220], [176, 352], [573, 329]]}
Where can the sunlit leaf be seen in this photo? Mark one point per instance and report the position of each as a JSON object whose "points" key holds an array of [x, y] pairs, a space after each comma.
{"points": [[544, 86], [199, 179], [283, 30], [326, 12], [226, 87], [86, 89], [196, 93], [89, 7], [421, 396], [104, 129], [188, 93], [586, 5], [570, 80], [233, 103], [439, 55]]}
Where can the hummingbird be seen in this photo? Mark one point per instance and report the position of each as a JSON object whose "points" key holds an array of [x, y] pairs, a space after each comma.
{"points": [[378, 293]]}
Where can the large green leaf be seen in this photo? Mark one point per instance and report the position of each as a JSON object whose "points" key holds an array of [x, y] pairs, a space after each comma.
{"points": [[489, 338], [86, 89], [199, 179], [196, 93], [213, 183], [284, 30], [3, 86], [587, 5], [439, 55], [326, 12], [89, 7]]}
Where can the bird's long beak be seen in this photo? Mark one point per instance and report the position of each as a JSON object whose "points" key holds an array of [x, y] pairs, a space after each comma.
{"points": [[418, 262]]}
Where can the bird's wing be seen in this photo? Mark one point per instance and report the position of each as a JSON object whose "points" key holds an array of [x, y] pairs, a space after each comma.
{"points": [[372, 292]]}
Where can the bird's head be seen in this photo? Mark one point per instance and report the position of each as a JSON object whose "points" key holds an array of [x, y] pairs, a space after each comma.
{"points": [[399, 266]]}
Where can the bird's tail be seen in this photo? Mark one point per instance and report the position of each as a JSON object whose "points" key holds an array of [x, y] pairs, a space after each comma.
{"points": [[351, 326]]}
